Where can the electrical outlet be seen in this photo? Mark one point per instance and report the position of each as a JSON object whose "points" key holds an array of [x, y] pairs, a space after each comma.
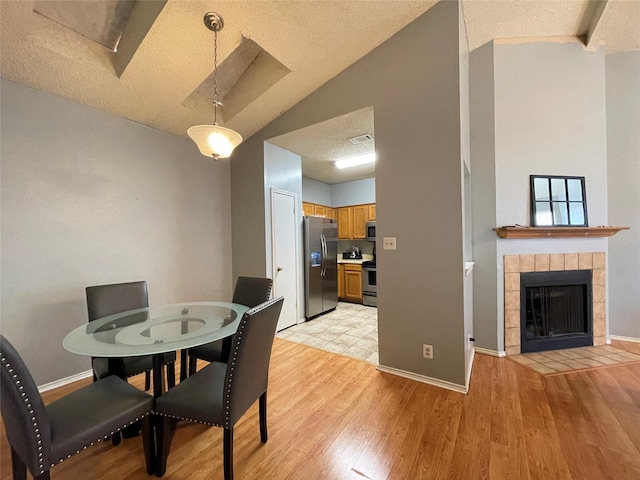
{"points": [[389, 243], [427, 351]]}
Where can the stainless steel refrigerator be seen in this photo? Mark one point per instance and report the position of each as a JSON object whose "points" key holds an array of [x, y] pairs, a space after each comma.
{"points": [[321, 265]]}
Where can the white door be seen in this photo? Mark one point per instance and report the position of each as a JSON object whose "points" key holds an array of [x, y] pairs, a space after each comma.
{"points": [[284, 233]]}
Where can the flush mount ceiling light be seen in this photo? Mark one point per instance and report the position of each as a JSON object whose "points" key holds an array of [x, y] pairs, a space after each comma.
{"points": [[213, 140], [358, 160]]}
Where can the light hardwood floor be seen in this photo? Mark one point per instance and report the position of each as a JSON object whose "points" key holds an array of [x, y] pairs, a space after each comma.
{"points": [[337, 418]]}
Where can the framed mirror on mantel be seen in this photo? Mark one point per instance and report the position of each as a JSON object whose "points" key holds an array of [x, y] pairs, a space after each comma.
{"points": [[558, 209], [558, 201]]}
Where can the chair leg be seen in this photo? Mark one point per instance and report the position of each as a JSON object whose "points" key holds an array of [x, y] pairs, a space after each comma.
{"points": [[18, 466], [43, 476], [193, 365], [116, 438], [228, 453], [147, 380], [164, 433], [262, 409], [184, 364], [171, 375], [149, 444]]}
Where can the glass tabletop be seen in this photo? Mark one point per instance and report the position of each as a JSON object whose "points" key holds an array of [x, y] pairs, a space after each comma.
{"points": [[159, 329]]}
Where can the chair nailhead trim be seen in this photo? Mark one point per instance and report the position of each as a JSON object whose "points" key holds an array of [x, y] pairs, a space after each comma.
{"points": [[100, 439], [34, 421]]}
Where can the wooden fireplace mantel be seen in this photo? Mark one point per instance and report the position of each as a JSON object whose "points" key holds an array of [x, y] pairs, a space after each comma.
{"points": [[556, 232]]}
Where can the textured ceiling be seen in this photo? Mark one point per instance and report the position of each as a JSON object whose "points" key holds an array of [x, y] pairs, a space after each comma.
{"points": [[166, 53]]}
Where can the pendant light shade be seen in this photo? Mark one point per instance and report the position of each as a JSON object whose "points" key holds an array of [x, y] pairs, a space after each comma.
{"points": [[213, 140]]}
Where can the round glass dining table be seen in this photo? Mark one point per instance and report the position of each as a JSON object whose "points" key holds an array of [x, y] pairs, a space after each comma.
{"points": [[156, 330]]}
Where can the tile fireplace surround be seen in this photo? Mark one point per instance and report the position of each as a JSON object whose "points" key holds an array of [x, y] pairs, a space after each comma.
{"points": [[515, 264]]}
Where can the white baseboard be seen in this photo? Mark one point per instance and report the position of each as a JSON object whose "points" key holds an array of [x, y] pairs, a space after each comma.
{"points": [[469, 369], [493, 353], [424, 379], [65, 381], [624, 339]]}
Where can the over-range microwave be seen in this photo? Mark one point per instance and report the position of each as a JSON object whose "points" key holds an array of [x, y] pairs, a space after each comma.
{"points": [[371, 231]]}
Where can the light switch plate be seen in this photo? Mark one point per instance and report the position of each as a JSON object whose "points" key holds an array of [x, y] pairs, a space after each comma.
{"points": [[389, 243]]}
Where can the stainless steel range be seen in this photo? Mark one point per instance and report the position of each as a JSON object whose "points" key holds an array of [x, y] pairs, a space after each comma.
{"points": [[369, 284]]}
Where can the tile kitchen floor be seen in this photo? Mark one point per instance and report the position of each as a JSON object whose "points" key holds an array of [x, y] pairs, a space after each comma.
{"points": [[350, 330]]}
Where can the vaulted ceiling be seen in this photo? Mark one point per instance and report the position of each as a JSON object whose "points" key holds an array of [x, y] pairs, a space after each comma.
{"points": [[271, 54]]}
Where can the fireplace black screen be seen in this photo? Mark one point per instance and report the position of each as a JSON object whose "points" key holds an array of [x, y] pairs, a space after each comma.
{"points": [[555, 310]]}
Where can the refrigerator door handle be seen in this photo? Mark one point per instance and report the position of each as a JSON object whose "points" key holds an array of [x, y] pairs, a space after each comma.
{"points": [[324, 255]]}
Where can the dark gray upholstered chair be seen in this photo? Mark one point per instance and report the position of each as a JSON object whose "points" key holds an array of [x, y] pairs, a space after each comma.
{"points": [[221, 393], [41, 436], [249, 291], [103, 300]]}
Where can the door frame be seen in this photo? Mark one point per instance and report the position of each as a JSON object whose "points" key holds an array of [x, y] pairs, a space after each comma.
{"points": [[296, 240]]}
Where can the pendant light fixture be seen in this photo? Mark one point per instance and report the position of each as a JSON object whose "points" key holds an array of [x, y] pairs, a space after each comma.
{"points": [[213, 140]]}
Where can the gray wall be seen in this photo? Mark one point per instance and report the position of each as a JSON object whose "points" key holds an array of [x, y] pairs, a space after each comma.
{"points": [[547, 120], [623, 153], [412, 81], [465, 182], [483, 194], [89, 198]]}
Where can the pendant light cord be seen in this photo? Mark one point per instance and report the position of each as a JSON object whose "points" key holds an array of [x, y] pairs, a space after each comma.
{"points": [[215, 77]]}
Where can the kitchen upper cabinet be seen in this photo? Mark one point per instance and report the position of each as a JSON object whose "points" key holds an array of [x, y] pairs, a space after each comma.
{"points": [[345, 223], [308, 209], [360, 217], [353, 283], [352, 221], [372, 212], [331, 212], [320, 211]]}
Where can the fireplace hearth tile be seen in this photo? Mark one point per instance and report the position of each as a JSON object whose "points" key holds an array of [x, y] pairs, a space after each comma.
{"points": [[541, 368], [523, 360], [558, 366], [605, 360], [569, 354], [574, 364], [515, 350], [585, 358], [621, 357], [590, 362]]}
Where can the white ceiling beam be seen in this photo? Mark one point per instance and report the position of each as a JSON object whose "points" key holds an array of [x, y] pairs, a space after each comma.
{"points": [[594, 14]]}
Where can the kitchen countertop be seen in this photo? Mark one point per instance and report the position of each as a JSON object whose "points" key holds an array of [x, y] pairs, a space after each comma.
{"points": [[355, 261]]}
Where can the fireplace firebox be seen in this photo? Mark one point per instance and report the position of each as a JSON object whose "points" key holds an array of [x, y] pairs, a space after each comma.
{"points": [[555, 310]]}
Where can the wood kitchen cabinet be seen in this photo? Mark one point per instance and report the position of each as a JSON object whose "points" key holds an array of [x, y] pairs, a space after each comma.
{"points": [[341, 281], [353, 283], [345, 223], [372, 212], [316, 210], [360, 216], [352, 221], [308, 209]]}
